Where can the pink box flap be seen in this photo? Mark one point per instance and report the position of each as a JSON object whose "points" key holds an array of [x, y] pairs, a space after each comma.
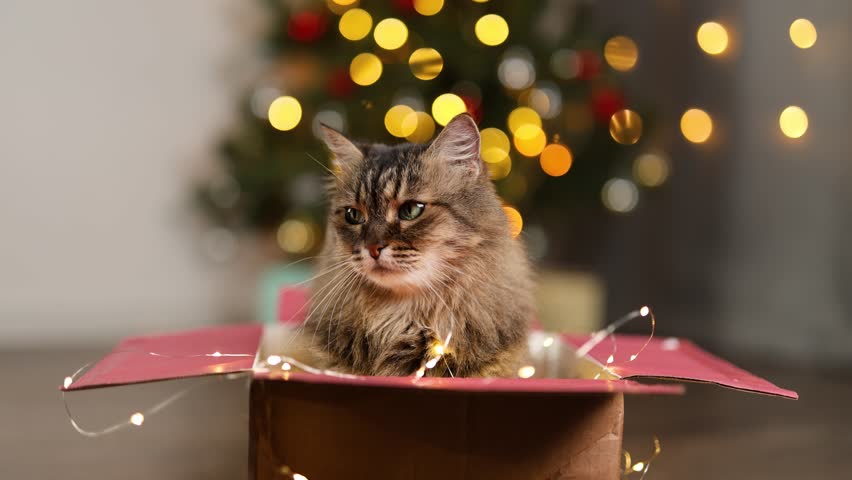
{"points": [[676, 359], [207, 351]]}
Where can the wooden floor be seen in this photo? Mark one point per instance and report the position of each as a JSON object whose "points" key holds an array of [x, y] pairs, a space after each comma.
{"points": [[711, 433]]}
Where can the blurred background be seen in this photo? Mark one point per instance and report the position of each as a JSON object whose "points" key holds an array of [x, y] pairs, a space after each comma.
{"points": [[158, 172]]}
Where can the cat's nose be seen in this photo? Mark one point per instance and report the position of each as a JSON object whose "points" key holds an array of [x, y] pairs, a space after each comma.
{"points": [[376, 249]]}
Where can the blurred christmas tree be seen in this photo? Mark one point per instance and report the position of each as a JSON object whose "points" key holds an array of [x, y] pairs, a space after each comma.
{"points": [[536, 77]]}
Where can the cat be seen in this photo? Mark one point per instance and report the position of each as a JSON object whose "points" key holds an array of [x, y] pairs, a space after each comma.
{"points": [[419, 260]]}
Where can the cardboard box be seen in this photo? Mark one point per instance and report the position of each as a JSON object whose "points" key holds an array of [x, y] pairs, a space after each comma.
{"points": [[327, 426]]}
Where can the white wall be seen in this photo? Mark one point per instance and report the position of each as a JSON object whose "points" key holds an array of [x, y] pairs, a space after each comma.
{"points": [[106, 108]]}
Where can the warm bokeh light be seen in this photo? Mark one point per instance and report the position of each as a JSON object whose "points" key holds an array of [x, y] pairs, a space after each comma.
{"points": [[530, 140], [344, 3], [516, 71], [651, 169], [295, 236], [555, 160], [446, 107], [284, 113], [621, 53], [425, 129], [523, 116], [501, 169], [355, 24], [137, 419], [793, 121], [620, 195], [712, 38], [516, 222], [492, 29], [526, 371], [494, 145], [625, 127], [401, 120], [426, 63], [803, 33], [390, 33], [365, 69], [696, 125], [428, 7]]}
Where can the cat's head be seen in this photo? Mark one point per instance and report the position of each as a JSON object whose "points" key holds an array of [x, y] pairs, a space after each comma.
{"points": [[409, 216]]}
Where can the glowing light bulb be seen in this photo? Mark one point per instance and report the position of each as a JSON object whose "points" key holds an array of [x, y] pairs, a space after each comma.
{"points": [[696, 125], [621, 53], [793, 121], [420, 372], [428, 8], [438, 349], [547, 342], [216, 354], [67, 382], [426, 63], [526, 371], [516, 222], [137, 419], [286, 367], [625, 127], [299, 476], [644, 311], [555, 160], [432, 362], [639, 466], [803, 33], [284, 113], [446, 107], [712, 38], [365, 69], [273, 360], [355, 24], [390, 33], [610, 359], [491, 29]]}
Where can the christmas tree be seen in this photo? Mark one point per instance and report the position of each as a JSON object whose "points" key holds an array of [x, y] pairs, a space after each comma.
{"points": [[539, 81]]}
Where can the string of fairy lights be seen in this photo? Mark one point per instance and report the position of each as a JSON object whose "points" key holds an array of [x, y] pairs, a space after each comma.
{"points": [[537, 100]]}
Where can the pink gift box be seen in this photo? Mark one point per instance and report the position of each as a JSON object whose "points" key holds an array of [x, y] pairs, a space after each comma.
{"points": [[332, 426]]}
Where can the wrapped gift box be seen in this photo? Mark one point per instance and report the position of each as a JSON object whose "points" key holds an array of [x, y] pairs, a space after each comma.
{"points": [[329, 426]]}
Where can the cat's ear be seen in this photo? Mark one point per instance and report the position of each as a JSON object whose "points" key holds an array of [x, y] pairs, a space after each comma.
{"points": [[343, 151], [458, 144]]}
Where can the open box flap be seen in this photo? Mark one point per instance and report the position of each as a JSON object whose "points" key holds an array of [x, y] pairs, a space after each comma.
{"points": [[674, 359], [206, 351]]}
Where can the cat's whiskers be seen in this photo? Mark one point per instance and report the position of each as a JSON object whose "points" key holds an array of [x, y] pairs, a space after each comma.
{"points": [[346, 291], [326, 291]]}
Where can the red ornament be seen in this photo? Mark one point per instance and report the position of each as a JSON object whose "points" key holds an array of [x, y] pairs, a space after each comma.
{"points": [[404, 6], [590, 65], [473, 107], [605, 102], [307, 26], [339, 84]]}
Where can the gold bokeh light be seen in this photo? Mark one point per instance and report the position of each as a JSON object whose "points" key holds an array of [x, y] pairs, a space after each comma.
{"points": [[651, 169], [712, 38], [428, 7], [793, 121], [295, 236], [491, 29], [425, 128], [625, 127], [621, 53], [494, 145], [803, 33], [516, 222], [556, 160], [355, 24], [426, 63], [365, 69], [446, 107], [501, 169], [390, 33], [284, 113], [696, 125], [530, 140], [523, 116], [401, 120]]}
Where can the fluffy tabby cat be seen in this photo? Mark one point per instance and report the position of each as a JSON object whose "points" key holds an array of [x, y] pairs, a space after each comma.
{"points": [[418, 247]]}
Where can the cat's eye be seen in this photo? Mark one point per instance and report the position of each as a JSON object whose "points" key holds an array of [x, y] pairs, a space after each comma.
{"points": [[353, 216], [411, 210]]}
